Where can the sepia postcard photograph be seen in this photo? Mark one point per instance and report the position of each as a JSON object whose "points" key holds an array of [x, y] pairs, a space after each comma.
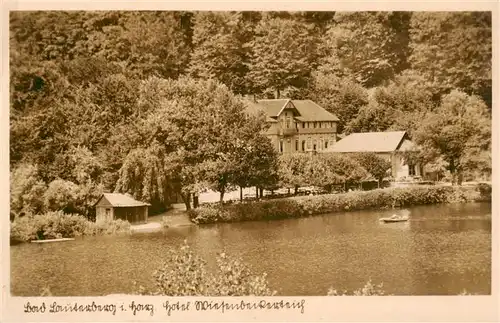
{"points": [[247, 162]]}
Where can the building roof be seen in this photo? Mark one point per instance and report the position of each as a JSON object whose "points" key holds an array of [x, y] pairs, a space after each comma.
{"points": [[273, 107], [307, 109], [121, 200], [310, 111], [254, 108], [389, 141]]}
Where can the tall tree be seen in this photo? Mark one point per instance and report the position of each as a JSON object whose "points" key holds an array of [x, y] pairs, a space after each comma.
{"points": [[400, 105], [283, 54], [218, 51], [257, 162], [203, 128], [341, 96], [148, 43], [292, 170], [454, 50], [372, 47], [376, 165], [459, 130], [144, 175], [49, 35]]}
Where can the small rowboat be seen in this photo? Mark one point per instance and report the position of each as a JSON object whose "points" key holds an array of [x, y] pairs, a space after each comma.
{"points": [[52, 240], [395, 219]]}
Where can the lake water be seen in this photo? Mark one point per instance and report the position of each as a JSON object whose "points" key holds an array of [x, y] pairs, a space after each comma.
{"points": [[442, 250]]}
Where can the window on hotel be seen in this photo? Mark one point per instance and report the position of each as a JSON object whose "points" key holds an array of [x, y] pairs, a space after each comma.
{"points": [[411, 170], [296, 145], [326, 144], [314, 145], [320, 146], [281, 146], [303, 145], [303, 124], [309, 143], [288, 122], [314, 124]]}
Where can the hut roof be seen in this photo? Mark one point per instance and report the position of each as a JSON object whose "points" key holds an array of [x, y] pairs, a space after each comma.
{"points": [[121, 200]]}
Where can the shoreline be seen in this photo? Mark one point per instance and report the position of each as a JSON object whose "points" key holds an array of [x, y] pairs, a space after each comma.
{"points": [[305, 206], [25, 229]]}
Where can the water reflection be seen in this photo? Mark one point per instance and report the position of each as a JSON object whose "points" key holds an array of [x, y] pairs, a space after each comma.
{"points": [[443, 249]]}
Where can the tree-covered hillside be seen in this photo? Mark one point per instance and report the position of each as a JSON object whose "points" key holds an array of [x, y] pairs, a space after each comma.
{"points": [[148, 102]]}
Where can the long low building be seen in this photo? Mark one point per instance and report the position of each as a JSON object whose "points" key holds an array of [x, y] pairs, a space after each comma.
{"points": [[390, 145], [297, 125]]}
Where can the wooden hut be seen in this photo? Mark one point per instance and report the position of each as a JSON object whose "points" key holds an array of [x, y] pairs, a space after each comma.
{"points": [[113, 206]]}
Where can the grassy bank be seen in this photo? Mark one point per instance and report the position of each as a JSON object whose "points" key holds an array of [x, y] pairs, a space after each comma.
{"points": [[296, 207], [54, 225]]}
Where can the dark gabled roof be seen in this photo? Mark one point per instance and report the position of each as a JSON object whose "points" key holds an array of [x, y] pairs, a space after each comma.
{"points": [[121, 200], [310, 111], [254, 108], [389, 141], [307, 109], [273, 107]]}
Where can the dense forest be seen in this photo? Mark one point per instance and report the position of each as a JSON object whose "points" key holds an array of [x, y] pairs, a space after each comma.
{"points": [[149, 102]]}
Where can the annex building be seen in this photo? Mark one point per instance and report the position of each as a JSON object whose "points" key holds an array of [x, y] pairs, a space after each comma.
{"points": [[390, 145]]}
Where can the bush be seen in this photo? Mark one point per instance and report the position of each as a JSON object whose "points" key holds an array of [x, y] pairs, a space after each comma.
{"points": [[72, 198], [61, 195], [484, 191], [262, 210], [303, 206], [56, 225], [185, 274], [106, 227], [368, 290], [26, 190]]}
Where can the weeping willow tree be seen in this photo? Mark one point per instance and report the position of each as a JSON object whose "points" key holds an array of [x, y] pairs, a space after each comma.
{"points": [[144, 176]]}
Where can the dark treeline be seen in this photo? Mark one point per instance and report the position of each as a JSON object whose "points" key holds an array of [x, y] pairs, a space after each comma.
{"points": [[134, 101]]}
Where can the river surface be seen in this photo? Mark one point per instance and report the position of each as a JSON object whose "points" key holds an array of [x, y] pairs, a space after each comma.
{"points": [[442, 250]]}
